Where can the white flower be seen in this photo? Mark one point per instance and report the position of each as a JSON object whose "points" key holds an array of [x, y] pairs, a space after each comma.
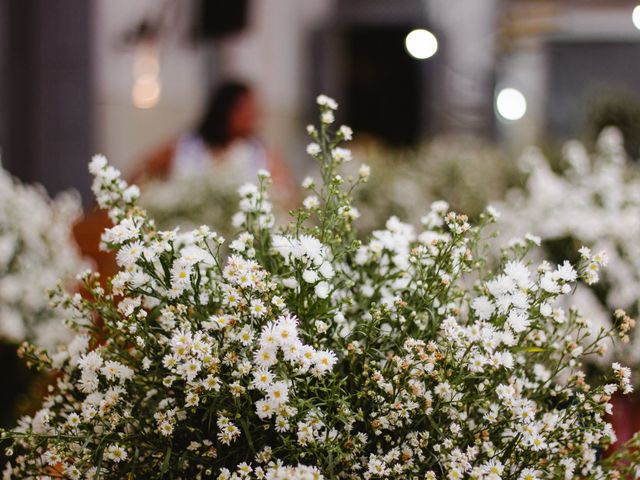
{"points": [[73, 420], [349, 212], [311, 202], [262, 379], [345, 132], [313, 149], [98, 163], [505, 392], [549, 284], [238, 219], [278, 394], [327, 117], [268, 337], [327, 270], [518, 320], [193, 254], [125, 230], [443, 390], [91, 361], [567, 273], [585, 252], [308, 183], [180, 273], [377, 467], [36, 252], [116, 453], [285, 330], [113, 370], [546, 309], [311, 248], [492, 211], [537, 442], [364, 172], [341, 154], [321, 327], [533, 239], [129, 254], [248, 190], [245, 336], [324, 360], [217, 322], [290, 282], [265, 357], [166, 428], [264, 409], [258, 308], [325, 101], [322, 290], [192, 399], [131, 193], [310, 276], [483, 307], [518, 272], [529, 474], [244, 469]]}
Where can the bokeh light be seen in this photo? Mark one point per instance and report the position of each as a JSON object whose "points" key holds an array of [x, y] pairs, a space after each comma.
{"points": [[511, 104], [635, 17], [146, 91], [421, 44]]}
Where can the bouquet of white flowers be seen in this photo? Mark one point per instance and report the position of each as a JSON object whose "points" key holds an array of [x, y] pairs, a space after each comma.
{"points": [[36, 251], [307, 354], [594, 201]]}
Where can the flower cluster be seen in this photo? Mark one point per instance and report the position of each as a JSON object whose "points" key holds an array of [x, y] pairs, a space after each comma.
{"points": [[36, 251], [307, 353], [593, 201]]}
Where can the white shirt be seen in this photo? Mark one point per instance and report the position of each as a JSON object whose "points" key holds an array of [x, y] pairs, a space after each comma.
{"points": [[243, 158]]}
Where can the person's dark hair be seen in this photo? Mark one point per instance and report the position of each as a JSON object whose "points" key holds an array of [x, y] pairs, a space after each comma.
{"points": [[214, 126]]}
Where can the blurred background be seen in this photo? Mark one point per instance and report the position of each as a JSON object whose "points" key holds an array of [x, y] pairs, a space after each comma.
{"points": [[124, 77]]}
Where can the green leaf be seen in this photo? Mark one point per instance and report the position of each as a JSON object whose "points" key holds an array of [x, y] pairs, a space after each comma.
{"points": [[167, 459]]}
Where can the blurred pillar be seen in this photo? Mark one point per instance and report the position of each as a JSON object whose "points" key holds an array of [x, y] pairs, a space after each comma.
{"points": [[45, 125], [468, 35]]}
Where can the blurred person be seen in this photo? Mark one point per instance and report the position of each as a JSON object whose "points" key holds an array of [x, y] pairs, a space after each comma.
{"points": [[224, 138]]}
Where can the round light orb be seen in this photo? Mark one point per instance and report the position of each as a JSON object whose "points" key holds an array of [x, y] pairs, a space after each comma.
{"points": [[146, 91], [421, 44], [511, 104], [635, 17]]}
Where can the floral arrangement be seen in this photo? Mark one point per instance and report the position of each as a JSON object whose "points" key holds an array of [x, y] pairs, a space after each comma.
{"points": [[593, 201], [36, 251], [308, 354], [466, 172]]}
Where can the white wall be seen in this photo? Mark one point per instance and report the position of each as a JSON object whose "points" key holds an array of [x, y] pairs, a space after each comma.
{"points": [[123, 132]]}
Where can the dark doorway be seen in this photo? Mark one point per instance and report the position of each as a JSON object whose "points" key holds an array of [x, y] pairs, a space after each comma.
{"points": [[383, 85]]}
